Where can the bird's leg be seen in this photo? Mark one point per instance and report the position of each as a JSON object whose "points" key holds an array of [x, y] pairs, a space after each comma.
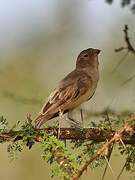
{"points": [[73, 123], [81, 111], [61, 117]]}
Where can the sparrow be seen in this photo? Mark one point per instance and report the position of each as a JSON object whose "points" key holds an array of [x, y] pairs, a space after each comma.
{"points": [[76, 88]]}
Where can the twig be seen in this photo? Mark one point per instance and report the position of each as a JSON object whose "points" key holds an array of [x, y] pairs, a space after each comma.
{"points": [[108, 159], [110, 149], [128, 80], [128, 46], [21, 99], [120, 62], [109, 165], [122, 114], [118, 177]]}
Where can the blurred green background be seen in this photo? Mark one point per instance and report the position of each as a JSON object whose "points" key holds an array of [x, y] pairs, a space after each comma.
{"points": [[39, 44]]}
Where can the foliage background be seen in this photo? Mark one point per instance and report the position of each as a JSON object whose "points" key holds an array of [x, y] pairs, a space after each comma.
{"points": [[39, 43]]}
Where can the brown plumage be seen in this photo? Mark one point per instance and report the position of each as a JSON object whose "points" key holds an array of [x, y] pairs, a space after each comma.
{"points": [[76, 88]]}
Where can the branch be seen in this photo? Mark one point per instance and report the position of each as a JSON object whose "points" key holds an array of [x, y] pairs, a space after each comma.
{"points": [[95, 134], [129, 46], [54, 150], [116, 137]]}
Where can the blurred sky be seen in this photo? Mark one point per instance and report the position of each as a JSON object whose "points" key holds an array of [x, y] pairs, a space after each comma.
{"points": [[39, 44], [46, 37]]}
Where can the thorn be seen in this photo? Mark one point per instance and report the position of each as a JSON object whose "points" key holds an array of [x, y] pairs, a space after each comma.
{"points": [[109, 166], [123, 144]]}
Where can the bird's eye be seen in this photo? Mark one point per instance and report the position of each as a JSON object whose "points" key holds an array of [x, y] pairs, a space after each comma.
{"points": [[86, 55]]}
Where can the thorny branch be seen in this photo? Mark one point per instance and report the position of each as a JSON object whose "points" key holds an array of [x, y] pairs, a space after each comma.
{"points": [[117, 137], [95, 134]]}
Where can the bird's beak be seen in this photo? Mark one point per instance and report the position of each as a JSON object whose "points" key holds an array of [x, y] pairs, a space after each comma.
{"points": [[97, 51]]}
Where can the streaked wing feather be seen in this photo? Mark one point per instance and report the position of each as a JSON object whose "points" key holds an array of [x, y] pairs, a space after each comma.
{"points": [[69, 90]]}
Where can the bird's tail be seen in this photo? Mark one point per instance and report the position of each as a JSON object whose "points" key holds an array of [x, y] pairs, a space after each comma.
{"points": [[40, 120]]}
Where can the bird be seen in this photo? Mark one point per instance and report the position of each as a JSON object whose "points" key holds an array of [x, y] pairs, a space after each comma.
{"points": [[76, 88]]}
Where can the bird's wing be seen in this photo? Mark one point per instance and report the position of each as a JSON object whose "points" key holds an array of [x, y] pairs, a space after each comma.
{"points": [[69, 90]]}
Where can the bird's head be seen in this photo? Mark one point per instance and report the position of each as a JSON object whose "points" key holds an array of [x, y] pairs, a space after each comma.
{"points": [[88, 57]]}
